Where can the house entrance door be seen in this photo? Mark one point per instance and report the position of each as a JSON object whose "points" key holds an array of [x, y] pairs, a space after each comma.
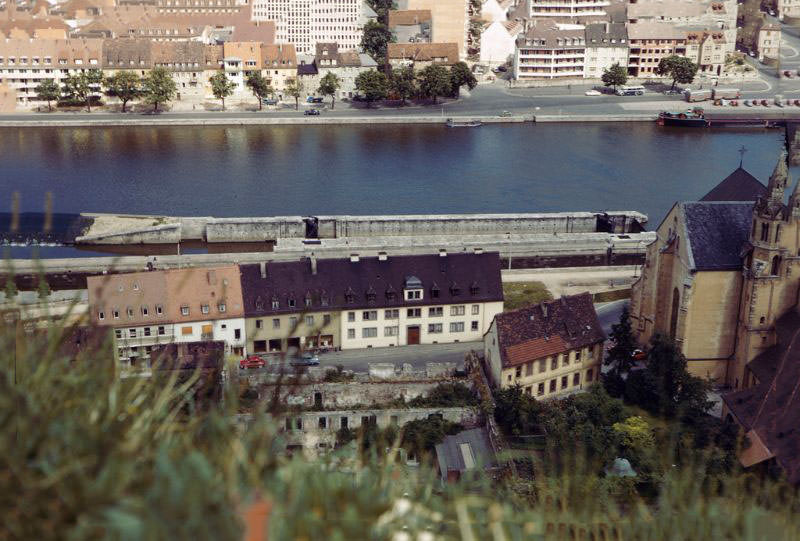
{"points": [[412, 336]]}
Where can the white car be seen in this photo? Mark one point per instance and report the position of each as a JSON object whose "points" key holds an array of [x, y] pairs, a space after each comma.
{"points": [[593, 93]]}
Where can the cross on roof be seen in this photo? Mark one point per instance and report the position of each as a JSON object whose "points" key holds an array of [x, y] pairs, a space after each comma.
{"points": [[741, 152]]}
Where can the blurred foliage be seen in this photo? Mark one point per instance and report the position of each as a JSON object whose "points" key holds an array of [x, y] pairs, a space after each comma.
{"points": [[85, 454]]}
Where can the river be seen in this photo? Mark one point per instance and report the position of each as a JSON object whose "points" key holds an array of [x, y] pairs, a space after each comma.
{"points": [[373, 169]]}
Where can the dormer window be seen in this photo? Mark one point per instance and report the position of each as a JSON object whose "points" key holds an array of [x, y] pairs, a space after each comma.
{"points": [[185, 310], [435, 291], [323, 299], [276, 304], [308, 300], [474, 288], [291, 303], [455, 290], [371, 294], [221, 306], [391, 294], [130, 312]]}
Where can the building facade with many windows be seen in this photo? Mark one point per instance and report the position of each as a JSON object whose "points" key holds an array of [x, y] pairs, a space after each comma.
{"points": [[550, 350], [371, 302], [147, 309]]}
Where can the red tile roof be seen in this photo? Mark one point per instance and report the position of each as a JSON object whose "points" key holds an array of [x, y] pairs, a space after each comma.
{"points": [[535, 349]]}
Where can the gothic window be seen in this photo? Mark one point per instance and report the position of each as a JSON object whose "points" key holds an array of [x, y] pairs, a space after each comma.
{"points": [[778, 233], [765, 232], [673, 323], [776, 266]]}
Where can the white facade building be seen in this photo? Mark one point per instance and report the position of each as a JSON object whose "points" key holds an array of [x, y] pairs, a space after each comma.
{"points": [[606, 45], [498, 41], [567, 8], [304, 23]]}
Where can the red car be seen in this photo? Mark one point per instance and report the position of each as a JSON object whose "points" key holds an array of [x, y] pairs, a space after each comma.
{"points": [[639, 355], [253, 361]]}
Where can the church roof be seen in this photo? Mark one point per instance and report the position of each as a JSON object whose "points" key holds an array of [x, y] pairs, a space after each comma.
{"points": [[716, 232], [738, 186], [769, 410]]}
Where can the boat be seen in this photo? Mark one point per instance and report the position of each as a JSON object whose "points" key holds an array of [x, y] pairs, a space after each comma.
{"points": [[463, 123], [692, 118]]}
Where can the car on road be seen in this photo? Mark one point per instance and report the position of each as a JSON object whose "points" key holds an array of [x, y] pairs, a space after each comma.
{"points": [[593, 92], [630, 90], [306, 359], [639, 355], [500, 69], [788, 74], [672, 91], [311, 112], [269, 101], [312, 99], [505, 114], [252, 361]]}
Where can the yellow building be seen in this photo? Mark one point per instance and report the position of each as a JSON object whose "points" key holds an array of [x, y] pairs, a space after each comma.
{"points": [[550, 350]]}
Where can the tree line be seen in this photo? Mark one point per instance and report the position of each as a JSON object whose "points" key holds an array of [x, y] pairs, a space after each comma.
{"points": [[403, 83], [678, 68]]}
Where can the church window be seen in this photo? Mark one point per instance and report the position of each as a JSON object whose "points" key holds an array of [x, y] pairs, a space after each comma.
{"points": [[765, 232], [778, 233], [776, 266]]}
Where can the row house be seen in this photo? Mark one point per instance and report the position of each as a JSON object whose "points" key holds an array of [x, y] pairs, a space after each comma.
{"points": [[24, 63], [650, 42], [550, 350], [370, 302], [606, 45], [346, 65], [148, 309], [708, 50], [422, 55], [550, 50]]}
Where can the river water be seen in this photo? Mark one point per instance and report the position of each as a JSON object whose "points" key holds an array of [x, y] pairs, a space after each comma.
{"points": [[373, 169]]}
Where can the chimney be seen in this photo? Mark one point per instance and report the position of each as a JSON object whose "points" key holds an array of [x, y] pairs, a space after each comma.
{"points": [[442, 252], [354, 258], [382, 256], [478, 251], [263, 266], [313, 260], [544, 309]]}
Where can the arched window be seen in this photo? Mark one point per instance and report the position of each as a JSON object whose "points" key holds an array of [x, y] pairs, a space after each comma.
{"points": [[776, 266], [778, 233], [673, 323]]}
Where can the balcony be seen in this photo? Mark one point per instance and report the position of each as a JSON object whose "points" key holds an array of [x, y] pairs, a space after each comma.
{"points": [[206, 336]]}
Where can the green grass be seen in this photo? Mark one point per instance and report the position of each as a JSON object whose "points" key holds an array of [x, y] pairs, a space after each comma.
{"points": [[608, 296], [521, 294]]}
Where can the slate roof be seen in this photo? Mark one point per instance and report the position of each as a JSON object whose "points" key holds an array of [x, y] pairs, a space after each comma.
{"points": [[451, 458], [602, 34], [548, 328], [738, 186], [341, 284], [769, 410], [716, 233]]}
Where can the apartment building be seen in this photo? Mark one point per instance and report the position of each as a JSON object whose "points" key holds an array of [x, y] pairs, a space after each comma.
{"points": [[550, 50], [566, 9], [279, 64], [371, 302], [550, 350], [304, 23], [147, 309], [649, 43], [606, 45], [24, 63], [450, 20]]}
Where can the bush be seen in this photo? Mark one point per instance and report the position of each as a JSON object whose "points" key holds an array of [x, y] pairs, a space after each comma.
{"points": [[446, 395]]}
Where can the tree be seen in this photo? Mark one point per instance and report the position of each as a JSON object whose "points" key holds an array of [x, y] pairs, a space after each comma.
{"points": [[259, 86], [635, 434], [402, 83], [665, 385], [125, 85], [461, 75], [615, 75], [372, 85], [77, 89], [382, 8], [679, 68], [158, 87], [294, 88], [221, 86], [620, 356], [421, 436], [434, 81], [48, 91], [375, 40], [328, 86]]}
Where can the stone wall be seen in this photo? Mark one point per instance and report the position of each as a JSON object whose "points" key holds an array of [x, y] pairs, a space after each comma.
{"points": [[254, 229]]}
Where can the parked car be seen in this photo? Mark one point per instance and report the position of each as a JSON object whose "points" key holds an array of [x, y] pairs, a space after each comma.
{"points": [[269, 101], [593, 92], [639, 355], [312, 99], [672, 91], [505, 114], [306, 359], [500, 69], [748, 103], [311, 112], [252, 361]]}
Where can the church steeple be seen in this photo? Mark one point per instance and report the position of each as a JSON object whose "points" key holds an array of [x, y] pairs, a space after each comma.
{"points": [[772, 205]]}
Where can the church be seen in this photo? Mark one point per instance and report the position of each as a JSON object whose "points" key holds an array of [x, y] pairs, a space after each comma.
{"points": [[722, 279]]}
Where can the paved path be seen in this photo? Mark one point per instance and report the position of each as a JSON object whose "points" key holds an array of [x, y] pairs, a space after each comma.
{"points": [[569, 281]]}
